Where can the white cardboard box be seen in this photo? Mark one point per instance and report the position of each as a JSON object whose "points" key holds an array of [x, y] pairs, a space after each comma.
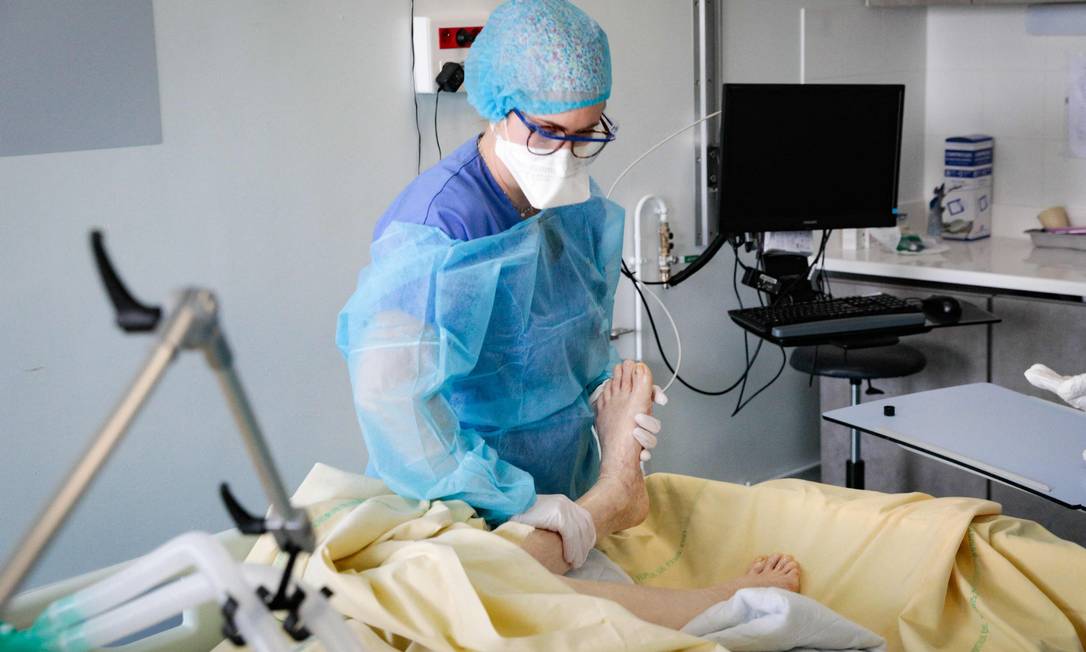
{"points": [[967, 176]]}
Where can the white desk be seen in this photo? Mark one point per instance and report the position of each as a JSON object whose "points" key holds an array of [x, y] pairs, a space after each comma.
{"points": [[1019, 440], [998, 263]]}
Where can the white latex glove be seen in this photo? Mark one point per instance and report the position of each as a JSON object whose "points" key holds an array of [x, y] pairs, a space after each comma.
{"points": [[648, 426], [1071, 389], [557, 513]]}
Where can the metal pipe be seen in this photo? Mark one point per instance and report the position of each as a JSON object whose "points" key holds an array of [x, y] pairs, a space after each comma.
{"points": [[193, 324], [295, 528], [854, 452], [638, 261], [290, 526], [636, 270]]}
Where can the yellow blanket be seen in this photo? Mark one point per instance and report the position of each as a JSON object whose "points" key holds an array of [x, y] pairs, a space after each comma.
{"points": [[924, 573]]}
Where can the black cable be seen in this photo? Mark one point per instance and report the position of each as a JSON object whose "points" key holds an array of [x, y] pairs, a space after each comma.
{"points": [[761, 268], [667, 363], [823, 282], [784, 360], [414, 95], [746, 344], [630, 275], [735, 249], [822, 254], [750, 360], [701, 261], [437, 136]]}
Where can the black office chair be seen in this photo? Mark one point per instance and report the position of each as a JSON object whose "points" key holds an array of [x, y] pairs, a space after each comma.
{"points": [[858, 363]]}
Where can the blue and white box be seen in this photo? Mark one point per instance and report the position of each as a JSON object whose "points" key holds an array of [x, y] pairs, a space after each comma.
{"points": [[967, 175]]}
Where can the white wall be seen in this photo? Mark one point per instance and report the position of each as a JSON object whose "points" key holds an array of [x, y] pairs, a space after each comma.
{"points": [[986, 74], [859, 45]]}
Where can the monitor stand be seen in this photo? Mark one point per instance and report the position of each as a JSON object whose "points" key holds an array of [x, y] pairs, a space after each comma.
{"points": [[791, 270]]}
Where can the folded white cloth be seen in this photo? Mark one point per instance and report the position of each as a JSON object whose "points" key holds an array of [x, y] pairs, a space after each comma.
{"points": [[774, 619], [759, 620]]}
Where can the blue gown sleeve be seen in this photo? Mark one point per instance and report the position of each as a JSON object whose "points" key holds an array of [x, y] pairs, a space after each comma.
{"points": [[415, 323]]}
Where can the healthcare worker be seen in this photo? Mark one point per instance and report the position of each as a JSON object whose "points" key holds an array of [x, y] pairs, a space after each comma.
{"points": [[480, 331]]}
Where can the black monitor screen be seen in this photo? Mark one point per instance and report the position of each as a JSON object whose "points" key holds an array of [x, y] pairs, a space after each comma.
{"points": [[809, 156]]}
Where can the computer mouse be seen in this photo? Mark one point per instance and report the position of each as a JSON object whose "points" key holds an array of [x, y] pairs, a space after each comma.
{"points": [[940, 307]]}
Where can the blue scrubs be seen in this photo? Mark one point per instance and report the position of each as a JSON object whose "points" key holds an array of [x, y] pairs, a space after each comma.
{"points": [[458, 196]]}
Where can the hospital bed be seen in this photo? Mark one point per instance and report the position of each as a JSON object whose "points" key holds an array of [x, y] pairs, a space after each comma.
{"points": [[194, 568], [195, 628], [923, 573]]}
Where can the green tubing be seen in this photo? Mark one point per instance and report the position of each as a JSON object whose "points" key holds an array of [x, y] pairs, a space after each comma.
{"points": [[16, 640]]}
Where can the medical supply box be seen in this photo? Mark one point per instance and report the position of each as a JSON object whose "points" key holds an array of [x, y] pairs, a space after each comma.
{"points": [[967, 175]]}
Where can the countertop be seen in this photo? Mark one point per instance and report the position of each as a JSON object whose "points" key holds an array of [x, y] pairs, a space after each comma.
{"points": [[999, 263]]}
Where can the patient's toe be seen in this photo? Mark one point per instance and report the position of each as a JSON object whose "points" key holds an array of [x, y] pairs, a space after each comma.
{"points": [[627, 375], [778, 571]]}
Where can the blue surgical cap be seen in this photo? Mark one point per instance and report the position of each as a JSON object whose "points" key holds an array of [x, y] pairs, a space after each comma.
{"points": [[539, 56]]}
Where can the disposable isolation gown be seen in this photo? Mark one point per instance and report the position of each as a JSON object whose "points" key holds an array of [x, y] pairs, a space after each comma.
{"points": [[472, 361]]}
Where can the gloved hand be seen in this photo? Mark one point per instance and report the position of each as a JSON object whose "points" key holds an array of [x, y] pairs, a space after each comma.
{"points": [[1071, 389], [557, 513], [648, 426]]}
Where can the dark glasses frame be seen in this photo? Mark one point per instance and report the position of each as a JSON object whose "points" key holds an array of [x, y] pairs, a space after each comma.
{"points": [[607, 135]]}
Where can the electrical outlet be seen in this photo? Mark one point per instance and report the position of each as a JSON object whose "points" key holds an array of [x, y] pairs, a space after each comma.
{"points": [[439, 41]]}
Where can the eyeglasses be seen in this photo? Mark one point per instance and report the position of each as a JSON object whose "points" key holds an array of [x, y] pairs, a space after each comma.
{"points": [[543, 141]]}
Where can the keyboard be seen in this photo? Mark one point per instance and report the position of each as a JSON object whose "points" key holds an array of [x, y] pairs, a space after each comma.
{"points": [[828, 316]]}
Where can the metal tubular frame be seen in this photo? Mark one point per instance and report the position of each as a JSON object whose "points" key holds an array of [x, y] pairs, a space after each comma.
{"points": [[193, 324]]}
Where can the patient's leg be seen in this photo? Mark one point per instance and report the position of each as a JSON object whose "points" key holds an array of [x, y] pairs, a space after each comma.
{"points": [[618, 500], [675, 608]]}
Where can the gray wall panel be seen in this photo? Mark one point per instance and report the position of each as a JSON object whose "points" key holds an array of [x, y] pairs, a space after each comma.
{"points": [[1036, 330], [77, 75]]}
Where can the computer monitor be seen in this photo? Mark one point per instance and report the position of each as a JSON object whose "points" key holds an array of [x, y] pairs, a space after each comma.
{"points": [[809, 156]]}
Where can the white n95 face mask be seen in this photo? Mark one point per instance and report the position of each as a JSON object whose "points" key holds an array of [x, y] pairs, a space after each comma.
{"points": [[557, 179]]}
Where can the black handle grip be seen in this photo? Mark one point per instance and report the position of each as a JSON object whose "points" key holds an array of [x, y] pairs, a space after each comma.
{"points": [[132, 316], [247, 523]]}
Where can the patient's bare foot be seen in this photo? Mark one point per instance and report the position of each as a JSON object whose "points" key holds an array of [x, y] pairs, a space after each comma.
{"points": [[779, 571], [629, 393], [776, 571]]}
